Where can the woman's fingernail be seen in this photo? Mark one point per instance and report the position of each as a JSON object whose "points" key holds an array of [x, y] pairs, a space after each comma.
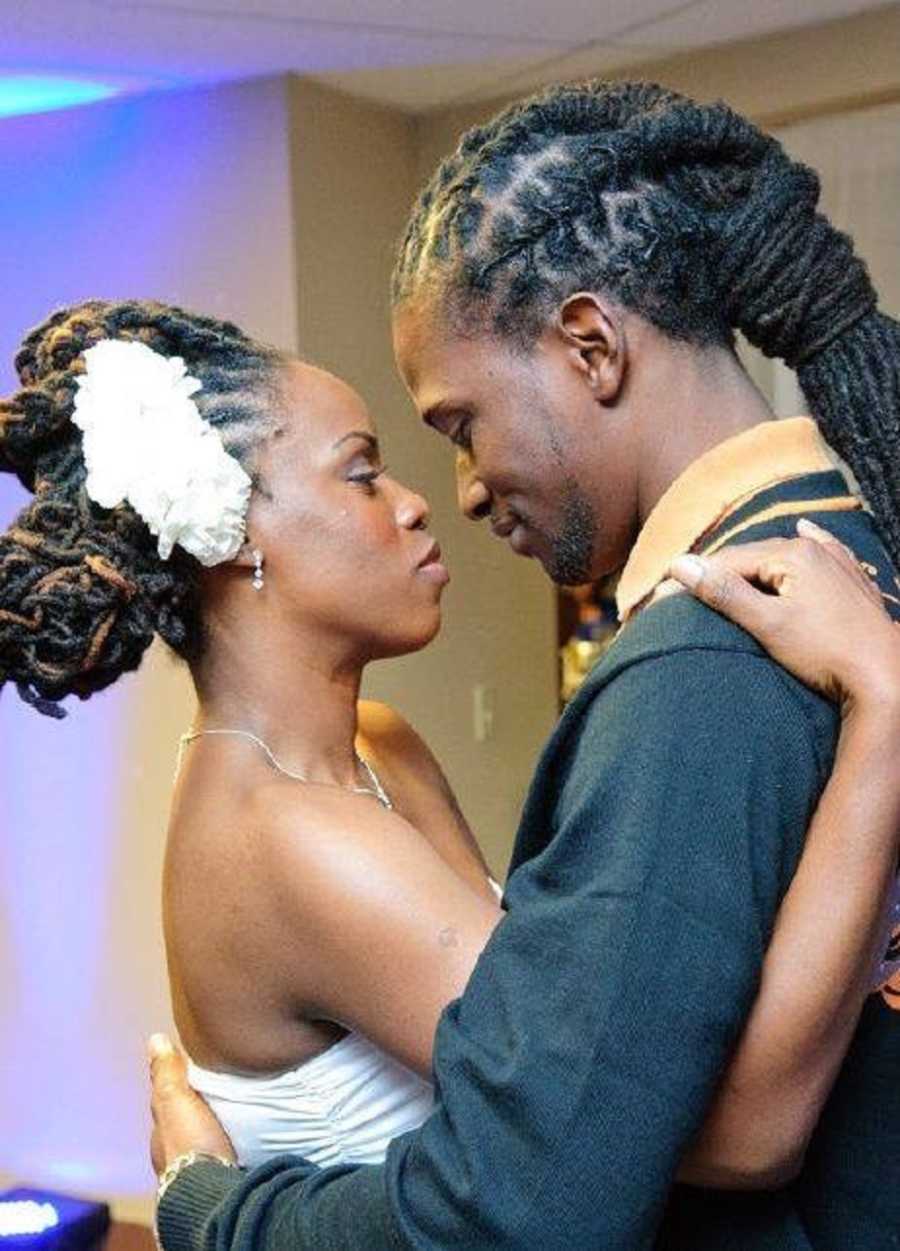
{"points": [[159, 1045], [689, 570], [810, 530]]}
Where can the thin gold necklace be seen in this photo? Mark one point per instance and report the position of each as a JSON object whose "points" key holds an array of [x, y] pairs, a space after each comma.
{"points": [[376, 790]]}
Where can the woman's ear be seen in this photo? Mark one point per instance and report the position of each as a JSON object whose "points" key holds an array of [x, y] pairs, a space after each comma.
{"points": [[594, 331], [245, 557]]}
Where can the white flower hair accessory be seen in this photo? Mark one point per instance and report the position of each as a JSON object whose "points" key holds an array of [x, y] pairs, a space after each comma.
{"points": [[146, 442]]}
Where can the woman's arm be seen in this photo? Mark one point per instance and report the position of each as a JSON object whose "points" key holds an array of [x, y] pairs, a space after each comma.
{"points": [[827, 624]]}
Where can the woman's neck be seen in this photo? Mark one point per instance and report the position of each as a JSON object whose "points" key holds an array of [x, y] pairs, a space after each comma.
{"points": [[301, 706]]}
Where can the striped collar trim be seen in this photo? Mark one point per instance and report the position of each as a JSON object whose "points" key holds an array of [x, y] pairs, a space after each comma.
{"points": [[712, 488]]}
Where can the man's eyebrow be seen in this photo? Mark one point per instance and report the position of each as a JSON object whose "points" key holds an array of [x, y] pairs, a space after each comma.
{"points": [[365, 435]]}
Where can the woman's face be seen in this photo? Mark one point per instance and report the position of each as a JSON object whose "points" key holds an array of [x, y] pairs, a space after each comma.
{"points": [[346, 548]]}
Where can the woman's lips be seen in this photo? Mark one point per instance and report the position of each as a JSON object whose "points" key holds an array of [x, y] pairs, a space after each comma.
{"points": [[435, 571], [432, 568]]}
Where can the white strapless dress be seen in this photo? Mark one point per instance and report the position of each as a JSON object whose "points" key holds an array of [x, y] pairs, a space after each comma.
{"points": [[342, 1106]]}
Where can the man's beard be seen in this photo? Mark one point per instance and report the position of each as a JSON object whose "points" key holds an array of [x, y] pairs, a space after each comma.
{"points": [[572, 549]]}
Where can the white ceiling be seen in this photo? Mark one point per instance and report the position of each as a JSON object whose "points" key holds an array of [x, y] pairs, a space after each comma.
{"points": [[418, 56]]}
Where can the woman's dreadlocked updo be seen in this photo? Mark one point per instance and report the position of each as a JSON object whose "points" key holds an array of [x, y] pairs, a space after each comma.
{"points": [[82, 588], [687, 215]]}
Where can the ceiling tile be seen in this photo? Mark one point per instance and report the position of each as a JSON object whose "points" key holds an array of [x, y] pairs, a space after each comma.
{"points": [[572, 21], [415, 56], [707, 22], [192, 46], [420, 90]]}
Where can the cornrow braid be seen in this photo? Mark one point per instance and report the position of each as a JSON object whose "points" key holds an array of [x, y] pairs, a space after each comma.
{"points": [[686, 214], [82, 588]]}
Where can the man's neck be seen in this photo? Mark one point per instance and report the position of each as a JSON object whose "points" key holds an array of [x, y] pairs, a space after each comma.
{"points": [[705, 398]]}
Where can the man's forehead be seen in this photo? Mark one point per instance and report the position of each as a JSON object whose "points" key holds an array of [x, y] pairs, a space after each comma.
{"points": [[411, 346], [425, 347]]}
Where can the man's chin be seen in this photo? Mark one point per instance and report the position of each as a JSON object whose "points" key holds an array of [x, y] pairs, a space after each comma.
{"points": [[566, 575], [578, 567], [563, 566], [568, 568]]}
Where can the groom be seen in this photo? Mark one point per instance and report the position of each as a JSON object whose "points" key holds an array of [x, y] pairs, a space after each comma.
{"points": [[564, 301]]}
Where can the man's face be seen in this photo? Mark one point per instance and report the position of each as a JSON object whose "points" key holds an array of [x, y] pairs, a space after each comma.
{"points": [[534, 455]]}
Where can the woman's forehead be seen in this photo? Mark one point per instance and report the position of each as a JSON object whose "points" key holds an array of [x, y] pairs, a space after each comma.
{"points": [[320, 406]]}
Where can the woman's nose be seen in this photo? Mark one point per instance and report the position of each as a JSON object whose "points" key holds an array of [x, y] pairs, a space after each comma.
{"points": [[413, 512], [472, 496]]}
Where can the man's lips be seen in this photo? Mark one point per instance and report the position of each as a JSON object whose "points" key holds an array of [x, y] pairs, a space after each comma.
{"points": [[515, 530], [504, 526], [518, 541]]}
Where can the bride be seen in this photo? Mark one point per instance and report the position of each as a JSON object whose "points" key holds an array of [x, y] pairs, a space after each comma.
{"points": [[324, 898]]}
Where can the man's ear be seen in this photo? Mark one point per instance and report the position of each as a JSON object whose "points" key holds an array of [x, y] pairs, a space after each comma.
{"points": [[594, 331]]}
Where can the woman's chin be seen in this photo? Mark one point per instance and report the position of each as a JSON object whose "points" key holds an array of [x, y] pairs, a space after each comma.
{"points": [[433, 632], [414, 641]]}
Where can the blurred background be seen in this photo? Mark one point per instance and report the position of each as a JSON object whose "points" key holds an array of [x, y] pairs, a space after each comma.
{"points": [[256, 159]]}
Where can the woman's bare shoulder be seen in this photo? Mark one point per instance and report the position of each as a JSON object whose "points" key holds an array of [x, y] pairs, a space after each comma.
{"points": [[388, 740], [311, 822], [384, 930], [388, 731], [424, 794], [317, 844]]}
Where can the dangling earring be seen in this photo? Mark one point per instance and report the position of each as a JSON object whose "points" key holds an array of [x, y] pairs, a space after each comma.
{"points": [[257, 569]]}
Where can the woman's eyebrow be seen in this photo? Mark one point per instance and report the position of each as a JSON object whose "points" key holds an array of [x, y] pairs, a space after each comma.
{"points": [[365, 435]]}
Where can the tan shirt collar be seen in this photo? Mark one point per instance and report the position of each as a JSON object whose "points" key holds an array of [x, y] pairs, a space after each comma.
{"points": [[711, 488]]}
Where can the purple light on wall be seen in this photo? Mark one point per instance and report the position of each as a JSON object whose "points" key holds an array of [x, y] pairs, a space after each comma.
{"points": [[59, 801], [184, 197], [60, 781]]}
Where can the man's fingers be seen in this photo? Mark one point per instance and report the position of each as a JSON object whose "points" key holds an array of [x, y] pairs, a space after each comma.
{"points": [[168, 1072], [159, 1046], [183, 1121], [722, 588], [809, 530]]}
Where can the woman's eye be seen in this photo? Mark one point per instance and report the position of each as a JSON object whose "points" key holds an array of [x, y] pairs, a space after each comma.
{"points": [[367, 480]]}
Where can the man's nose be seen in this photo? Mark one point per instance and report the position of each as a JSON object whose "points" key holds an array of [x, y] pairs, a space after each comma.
{"points": [[472, 496]]}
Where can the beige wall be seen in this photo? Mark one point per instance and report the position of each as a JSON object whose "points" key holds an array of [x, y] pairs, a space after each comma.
{"points": [[354, 171]]}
